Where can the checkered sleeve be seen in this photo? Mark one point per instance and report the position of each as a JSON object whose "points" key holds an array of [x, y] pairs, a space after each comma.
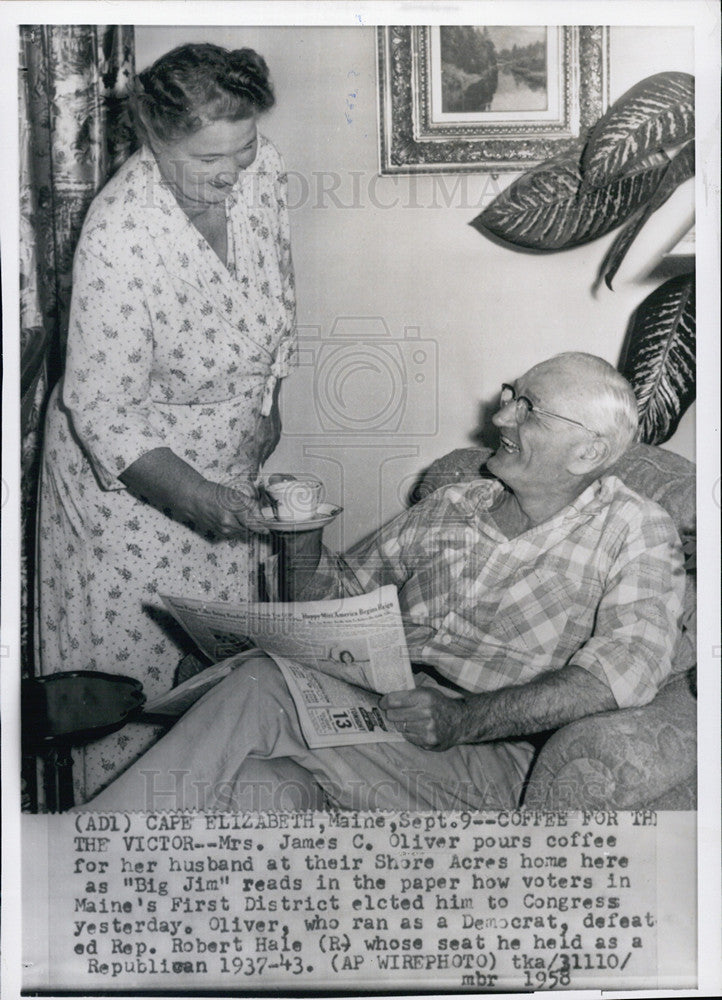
{"points": [[637, 618], [390, 555], [333, 578]]}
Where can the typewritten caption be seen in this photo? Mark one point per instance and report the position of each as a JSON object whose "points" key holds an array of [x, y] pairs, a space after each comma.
{"points": [[502, 901]]}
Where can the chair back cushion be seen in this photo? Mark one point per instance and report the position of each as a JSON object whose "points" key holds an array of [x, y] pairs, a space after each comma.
{"points": [[671, 481], [664, 477]]}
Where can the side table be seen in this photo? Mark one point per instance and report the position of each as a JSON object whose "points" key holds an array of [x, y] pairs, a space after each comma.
{"points": [[69, 709]]}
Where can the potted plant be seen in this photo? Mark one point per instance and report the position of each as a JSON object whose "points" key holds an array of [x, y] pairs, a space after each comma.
{"points": [[628, 165]]}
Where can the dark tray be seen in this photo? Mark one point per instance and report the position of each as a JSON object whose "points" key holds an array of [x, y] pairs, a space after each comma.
{"points": [[77, 706]]}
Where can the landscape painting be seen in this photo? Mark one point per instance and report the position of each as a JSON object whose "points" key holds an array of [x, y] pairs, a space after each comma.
{"points": [[493, 69], [486, 97]]}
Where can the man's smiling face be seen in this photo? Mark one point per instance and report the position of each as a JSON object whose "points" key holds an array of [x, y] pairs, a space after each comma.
{"points": [[536, 454]]}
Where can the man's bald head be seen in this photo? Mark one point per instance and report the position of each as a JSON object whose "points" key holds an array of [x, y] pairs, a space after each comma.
{"points": [[592, 391]]}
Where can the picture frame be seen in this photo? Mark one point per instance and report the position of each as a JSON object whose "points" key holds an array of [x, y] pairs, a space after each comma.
{"points": [[435, 119]]}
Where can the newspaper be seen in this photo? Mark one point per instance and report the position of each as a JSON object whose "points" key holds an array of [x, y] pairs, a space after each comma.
{"points": [[336, 657]]}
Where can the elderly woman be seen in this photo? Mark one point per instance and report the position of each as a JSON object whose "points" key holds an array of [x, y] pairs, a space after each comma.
{"points": [[182, 323]]}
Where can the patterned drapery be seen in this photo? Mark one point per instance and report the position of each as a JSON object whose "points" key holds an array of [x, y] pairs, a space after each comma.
{"points": [[74, 132]]}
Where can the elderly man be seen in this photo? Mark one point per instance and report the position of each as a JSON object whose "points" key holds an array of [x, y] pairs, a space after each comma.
{"points": [[526, 605]]}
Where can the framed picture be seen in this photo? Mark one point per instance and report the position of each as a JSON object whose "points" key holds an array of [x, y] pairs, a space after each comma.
{"points": [[461, 98]]}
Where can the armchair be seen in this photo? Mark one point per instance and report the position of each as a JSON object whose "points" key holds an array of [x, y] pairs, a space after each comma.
{"points": [[635, 757]]}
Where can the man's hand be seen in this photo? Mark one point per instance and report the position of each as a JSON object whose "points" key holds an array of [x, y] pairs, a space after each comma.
{"points": [[435, 722], [426, 717]]}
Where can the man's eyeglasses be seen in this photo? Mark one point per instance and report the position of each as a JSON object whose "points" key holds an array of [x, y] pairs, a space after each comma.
{"points": [[524, 407]]}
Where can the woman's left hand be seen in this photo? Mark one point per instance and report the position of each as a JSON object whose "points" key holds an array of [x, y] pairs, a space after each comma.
{"points": [[226, 511]]}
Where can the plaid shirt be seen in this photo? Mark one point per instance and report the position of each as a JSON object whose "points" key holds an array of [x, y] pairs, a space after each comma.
{"points": [[599, 585]]}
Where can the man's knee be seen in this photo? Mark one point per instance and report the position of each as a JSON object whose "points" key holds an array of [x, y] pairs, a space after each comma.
{"points": [[273, 785], [255, 679]]}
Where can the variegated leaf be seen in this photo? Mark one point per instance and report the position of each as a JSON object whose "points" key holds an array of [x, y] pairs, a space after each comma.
{"points": [[679, 170], [657, 113], [660, 358], [548, 209]]}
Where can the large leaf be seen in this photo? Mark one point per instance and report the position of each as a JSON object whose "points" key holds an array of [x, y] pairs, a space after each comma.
{"points": [[548, 208], [680, 169], [660, 358], [657, 113]]}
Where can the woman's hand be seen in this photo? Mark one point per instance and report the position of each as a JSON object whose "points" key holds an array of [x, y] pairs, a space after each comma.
{"points": [[174, 487], [226, 511]]}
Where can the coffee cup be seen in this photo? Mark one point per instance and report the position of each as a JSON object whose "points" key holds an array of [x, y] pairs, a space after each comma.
{"points": [[295, 498]]}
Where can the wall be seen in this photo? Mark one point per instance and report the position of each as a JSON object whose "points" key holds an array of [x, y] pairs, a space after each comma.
{"points": [[398, 250]]}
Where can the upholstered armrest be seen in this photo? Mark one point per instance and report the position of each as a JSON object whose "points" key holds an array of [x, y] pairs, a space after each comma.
{"points": [[627, 759]]}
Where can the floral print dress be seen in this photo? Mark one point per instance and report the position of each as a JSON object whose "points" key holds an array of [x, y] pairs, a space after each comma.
{"points": [[167, 348]]}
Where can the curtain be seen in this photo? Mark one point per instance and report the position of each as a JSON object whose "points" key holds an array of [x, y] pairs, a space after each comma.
{"points": [[74, 132]]}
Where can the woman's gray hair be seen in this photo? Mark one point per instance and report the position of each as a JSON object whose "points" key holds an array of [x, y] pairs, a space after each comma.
{"points": [[608, 400], [197, 83]]}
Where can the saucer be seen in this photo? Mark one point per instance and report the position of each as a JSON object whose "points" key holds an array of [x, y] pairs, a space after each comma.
{"points": [[324, 515]]}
